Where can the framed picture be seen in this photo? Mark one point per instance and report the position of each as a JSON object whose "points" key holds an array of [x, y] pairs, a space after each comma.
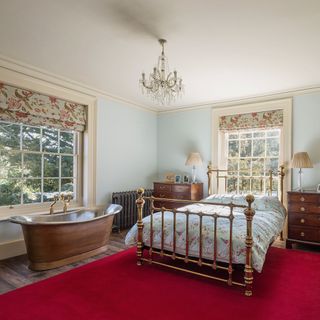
{"points": [[177, 179], [185, 179], [169, 177]]}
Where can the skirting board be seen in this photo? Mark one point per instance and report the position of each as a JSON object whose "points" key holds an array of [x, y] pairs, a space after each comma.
{"points": [[12, 249]]}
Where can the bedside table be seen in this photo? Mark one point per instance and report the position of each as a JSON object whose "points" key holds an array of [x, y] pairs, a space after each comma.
{"points": [[183, 191], [303, 218]]}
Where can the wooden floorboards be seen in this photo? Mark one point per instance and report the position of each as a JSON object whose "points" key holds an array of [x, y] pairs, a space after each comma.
{"points": [[14, 272]]}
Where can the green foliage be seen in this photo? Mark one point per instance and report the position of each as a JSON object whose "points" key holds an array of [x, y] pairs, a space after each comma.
{"points": [[21, 162]]}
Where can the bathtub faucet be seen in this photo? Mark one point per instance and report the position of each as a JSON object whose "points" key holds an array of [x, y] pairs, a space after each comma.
{"points": [[55, 199], [66, 202]]}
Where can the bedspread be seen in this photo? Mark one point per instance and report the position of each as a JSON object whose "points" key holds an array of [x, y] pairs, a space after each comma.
{"points": [[267, 223]]}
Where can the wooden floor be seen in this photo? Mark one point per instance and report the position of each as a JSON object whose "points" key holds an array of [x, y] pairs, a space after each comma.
{"points": [[14, 272]]}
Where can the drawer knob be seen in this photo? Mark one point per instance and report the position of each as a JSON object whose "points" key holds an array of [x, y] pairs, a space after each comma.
{"points": [[302, 209], [302, 199], [302, 220], [302, 234]]}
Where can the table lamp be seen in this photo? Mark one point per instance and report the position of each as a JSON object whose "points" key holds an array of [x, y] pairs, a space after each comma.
{"points": [[194, 159], [301, 160]]}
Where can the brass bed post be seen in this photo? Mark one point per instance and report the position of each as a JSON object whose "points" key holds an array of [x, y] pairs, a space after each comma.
{"points": [[140, 203], [209, 174], [248, 270]]}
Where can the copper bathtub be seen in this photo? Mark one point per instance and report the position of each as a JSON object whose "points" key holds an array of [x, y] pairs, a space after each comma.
{"points": [[59, 239]]}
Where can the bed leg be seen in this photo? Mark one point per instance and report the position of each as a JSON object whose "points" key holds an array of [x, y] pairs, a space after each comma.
{"points": [[248, 270], [140, 203]]}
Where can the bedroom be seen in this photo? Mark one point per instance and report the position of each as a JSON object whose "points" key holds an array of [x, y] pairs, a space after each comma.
{"points": [[234, 58]]}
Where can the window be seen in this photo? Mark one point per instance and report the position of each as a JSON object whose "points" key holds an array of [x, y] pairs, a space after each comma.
{"points": [[250, 155], [37, 162]]}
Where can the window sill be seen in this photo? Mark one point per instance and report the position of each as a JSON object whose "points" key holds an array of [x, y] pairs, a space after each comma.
{"points": [[4, 216]]}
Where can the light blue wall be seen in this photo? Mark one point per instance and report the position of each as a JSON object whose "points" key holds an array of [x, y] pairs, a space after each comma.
{"points": [[306, 136], [180, 133], [126, 149]]}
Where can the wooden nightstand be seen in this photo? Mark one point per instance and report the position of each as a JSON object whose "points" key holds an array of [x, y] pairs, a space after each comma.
{"points": [[184, 191], [303, 218]]}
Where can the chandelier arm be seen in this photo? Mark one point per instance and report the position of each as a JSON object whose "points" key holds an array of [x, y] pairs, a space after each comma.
{"points": [[173, 85], [146, 86]]}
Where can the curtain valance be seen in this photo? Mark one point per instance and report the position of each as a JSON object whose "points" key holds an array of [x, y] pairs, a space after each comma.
{"points": [[253, 120], [25, 106]]}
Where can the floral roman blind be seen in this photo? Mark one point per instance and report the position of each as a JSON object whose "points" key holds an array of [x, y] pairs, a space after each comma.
{"points": [[253, 120], [25, 106]]}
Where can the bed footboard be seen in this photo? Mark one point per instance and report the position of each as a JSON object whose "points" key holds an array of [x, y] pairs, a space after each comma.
{"points": [[212, 263]]}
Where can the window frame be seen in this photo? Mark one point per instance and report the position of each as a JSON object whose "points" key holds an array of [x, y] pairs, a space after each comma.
{"points": [[218, 147], [63, 89]]}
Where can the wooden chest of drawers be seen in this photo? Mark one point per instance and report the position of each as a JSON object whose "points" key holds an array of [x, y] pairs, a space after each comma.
{"points": [[303, 218], [182, 191]]}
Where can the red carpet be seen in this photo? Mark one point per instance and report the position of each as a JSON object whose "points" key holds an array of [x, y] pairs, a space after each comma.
{"points": [[115, 288]]}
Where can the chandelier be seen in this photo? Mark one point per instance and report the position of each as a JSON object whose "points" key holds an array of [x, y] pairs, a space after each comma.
{"points": [[163, 86]]}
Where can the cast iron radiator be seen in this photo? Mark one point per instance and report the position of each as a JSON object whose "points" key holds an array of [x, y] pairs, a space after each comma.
{"points": [[128, 216]]}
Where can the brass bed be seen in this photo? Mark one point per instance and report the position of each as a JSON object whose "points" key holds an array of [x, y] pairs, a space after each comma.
{"points": [[171, 256]]}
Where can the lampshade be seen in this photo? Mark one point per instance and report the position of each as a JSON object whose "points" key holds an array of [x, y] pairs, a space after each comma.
{"points": [[194, 159], [301, 160]]}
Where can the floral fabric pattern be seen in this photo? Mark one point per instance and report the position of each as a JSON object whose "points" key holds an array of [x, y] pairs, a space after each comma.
{"points": [[267, 224], [25, 106], [264, 119]]}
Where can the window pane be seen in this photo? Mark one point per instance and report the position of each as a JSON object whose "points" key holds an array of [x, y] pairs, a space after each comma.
{"points": [[232, 185], [233, 166], [66, 142], [233, 150], [31, 138], [51, 165], [233, 135], [32, 165], [258, 148], [9, 136], [10, 192], [273, 133], [10, 164], [246, 135], [50, 140], [244, 185], [32, 191], [66, 166], [67, 185], [272, 164], [245, 148], [258, 167], [257, 186], [50, 189], [245, 166], [259, 134], [273, 147]]}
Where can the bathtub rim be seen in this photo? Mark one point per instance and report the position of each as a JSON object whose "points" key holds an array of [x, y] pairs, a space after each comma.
{"points": [[24, 221]]}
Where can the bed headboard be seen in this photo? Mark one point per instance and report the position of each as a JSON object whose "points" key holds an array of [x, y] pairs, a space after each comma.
{"points": [[266, 181]]}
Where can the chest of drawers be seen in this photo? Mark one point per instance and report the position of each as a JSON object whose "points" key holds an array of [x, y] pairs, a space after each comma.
{"points": [[181, 191], [303, 218]]}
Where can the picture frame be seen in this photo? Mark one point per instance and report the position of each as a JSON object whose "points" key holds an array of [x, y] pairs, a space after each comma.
{"points": [[186, 179], [177, 179], [169, 177]]}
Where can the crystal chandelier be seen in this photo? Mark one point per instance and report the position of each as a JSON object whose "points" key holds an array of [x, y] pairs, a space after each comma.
{"points": [[163, 86]]}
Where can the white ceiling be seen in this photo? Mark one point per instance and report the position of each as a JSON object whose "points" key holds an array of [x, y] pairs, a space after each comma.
{"points": [[222, 49]]}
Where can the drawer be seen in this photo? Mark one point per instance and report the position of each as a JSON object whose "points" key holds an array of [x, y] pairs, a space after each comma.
{"points": [[302, 198], [181, 188], [304, 233], [304, 207], [180, 196], [167, 205], [160, 187], [163, 194], [303, 219]]}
